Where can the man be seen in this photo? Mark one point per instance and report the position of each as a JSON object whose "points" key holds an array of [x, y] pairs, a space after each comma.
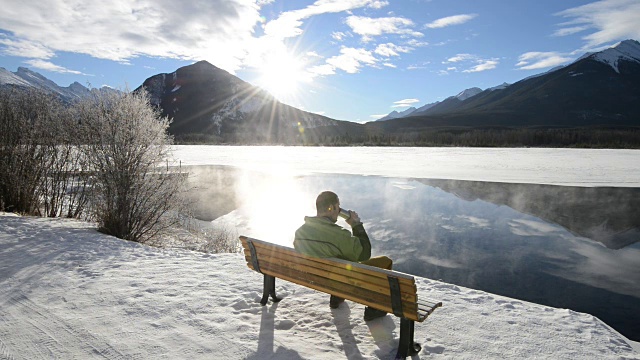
{"points": [[321, 237]]}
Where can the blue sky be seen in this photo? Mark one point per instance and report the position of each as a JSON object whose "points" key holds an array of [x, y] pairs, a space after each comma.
{"points": [[353, 60]]}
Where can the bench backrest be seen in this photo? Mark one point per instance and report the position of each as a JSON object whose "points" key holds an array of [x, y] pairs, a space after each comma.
{"points": [[364, 284]]}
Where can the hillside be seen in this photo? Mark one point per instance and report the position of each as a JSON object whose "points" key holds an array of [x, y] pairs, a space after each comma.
{"points": [[600, 89], [207, 103]]}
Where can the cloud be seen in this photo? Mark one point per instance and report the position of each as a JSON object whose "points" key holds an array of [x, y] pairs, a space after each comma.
{"points": [[613, 20], [25, 48], [467, 60], [484, 65], [46, 65], [405, 102], [390, 49], [389, 65], [570, 30], [289, 24], [322, 70], [123, 30], [540, 60], [368, 27], [461, 57], [450, 20], [418, 66], [339, 35], [417, 43], [351, 60]]}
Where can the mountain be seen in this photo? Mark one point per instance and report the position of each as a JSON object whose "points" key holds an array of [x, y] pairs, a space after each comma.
{"points": [[463, 95], [450, 103], [208, 103], [599, 89], [28, 78], [395, 114]]}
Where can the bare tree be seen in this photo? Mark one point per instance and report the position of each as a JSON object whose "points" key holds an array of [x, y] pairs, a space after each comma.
{"points": [[27, 144], [134, 194]]}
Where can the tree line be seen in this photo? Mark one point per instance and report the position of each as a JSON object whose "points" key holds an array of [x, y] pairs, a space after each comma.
{"points": [[586, 137]]}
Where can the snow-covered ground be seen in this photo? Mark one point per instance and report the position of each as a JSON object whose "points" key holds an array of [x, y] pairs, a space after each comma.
{"points": [[68, 292], [567, 167]]}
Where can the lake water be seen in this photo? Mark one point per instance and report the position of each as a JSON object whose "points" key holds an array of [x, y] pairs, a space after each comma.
{"points": [[563, 246]]}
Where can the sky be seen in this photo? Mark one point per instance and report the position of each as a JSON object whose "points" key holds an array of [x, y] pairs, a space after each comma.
{"points": [[354, 60]]}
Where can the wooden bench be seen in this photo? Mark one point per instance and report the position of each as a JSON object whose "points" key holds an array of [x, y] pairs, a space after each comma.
{"points": [[390, 291]]}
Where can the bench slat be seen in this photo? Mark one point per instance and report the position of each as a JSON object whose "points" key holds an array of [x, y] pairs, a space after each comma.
{"points": [[354, 268], [346, 291], [379, 289], [377, 284], [350, 280]]}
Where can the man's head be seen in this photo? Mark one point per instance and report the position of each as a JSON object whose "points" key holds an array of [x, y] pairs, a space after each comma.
{"points": [[328, 204]]}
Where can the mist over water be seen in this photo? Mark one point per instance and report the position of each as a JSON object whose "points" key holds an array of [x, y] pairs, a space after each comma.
{"points": [[567, 247]]}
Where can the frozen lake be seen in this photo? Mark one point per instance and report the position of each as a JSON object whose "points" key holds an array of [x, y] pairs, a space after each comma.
{"points": [[566, 246], [579, 167]]}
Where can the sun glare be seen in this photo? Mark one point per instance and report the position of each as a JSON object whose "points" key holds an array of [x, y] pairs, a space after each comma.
{"points": [[281, 75]]}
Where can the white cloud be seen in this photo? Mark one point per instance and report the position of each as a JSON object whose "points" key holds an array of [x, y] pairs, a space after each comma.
{"points": [[46, 65], [467, 60], [368, 27], [338, 35], [484, 65], [417, 43], [570, 30], [450, 20], [461, 57], [390, 49], [613, 20], [121, 30], [25, 48], [289, 23], [405, 102], [389, 65], [323, 70], [351, 60], [540, 60]]}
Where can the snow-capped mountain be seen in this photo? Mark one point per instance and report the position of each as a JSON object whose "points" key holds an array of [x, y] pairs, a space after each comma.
{"points": [[448, 104], [598, 89], [461, 96], [465, 94], [398, 114], [209, 104], [28, 78], [628, 50]]}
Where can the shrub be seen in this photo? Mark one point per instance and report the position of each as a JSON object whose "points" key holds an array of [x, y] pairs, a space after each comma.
{"points": [[126, 148]]}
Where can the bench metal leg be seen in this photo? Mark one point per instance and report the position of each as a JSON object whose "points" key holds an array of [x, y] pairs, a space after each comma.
{"points": [[269, 288], [407, 347]]}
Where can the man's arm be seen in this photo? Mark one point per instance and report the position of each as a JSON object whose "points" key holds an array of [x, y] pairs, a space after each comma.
{"points": [[358, 231], [361, 234]]}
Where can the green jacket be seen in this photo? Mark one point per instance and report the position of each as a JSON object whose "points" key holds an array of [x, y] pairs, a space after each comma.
{"points": [[320, 237]]}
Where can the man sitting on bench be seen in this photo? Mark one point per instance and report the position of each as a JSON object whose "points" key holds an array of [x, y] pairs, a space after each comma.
{"points": [[319, 236]]}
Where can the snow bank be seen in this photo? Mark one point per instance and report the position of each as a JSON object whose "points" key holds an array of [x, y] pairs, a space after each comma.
{"points": [[67, 291]]}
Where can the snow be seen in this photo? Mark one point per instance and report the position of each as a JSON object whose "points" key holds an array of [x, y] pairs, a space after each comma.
{"points": [[67, 291], [567, 167], [628, 50], [465, 94]]}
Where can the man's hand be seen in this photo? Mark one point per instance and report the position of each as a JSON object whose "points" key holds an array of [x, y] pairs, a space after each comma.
{"points": [[353, 219]]}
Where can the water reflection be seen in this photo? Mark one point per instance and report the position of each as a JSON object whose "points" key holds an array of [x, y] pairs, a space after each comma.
{"points": [[566, 247]]}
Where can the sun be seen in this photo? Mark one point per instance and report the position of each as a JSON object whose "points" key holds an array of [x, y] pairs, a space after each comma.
{"points": [[281, 75]]}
